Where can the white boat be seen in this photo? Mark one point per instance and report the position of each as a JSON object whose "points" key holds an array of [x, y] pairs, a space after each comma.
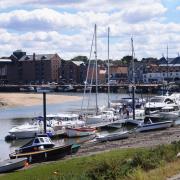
{"points": [[169, 112], [153, 126], [113, 136], [12, 164], [80, 131], [67, 119], [30, 130], [45, 89], [104, 116], [156, 103]]}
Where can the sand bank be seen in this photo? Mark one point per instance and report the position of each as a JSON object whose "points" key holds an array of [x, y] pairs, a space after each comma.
{"points": [[28, 99]]}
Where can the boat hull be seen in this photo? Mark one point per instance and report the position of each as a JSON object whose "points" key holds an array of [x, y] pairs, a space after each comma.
{"points": [[113, 136], [45, 155], [154, 126], [79, 132], [12, 164]]}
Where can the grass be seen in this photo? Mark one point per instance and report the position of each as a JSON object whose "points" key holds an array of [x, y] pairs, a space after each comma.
{"points": [[136, 164]]}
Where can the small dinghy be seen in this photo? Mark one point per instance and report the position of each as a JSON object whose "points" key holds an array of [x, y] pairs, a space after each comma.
{"points": [[113, 136], [41, 148], [12, 164]]}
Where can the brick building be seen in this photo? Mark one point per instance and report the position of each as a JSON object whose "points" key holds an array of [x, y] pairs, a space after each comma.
{"points": [[72, 71], [35, 68]]}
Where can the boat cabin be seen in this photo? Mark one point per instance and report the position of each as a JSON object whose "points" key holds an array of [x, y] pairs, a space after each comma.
{"points": [[40, 142]]}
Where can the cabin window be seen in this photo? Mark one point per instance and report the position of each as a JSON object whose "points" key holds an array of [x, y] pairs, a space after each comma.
{"points": [[42, 140], [36, 141]]}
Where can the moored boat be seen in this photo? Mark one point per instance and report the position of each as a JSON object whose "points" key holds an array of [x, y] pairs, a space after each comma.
{"points": [[41, 149], [113, 136], [153, 126], [80, 131], [9, 165]]}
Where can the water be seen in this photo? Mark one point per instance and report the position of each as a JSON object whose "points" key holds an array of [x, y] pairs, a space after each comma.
{"points": [[10, 117]]}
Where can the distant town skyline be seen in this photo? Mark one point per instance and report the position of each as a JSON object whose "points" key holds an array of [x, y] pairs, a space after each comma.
{"points": [[66, 27]]}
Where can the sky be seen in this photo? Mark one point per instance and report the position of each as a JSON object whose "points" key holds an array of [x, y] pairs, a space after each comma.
{"points": [[66, 27]]}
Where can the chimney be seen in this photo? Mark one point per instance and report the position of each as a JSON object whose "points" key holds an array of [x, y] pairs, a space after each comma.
{"points": [[34, 56]]}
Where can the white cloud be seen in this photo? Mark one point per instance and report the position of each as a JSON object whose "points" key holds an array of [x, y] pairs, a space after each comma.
{"points": [[69, 32], [178, 8]]}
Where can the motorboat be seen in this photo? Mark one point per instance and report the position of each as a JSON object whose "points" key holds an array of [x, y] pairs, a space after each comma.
{"points": [[41, 148], [113, 136], [10, 165], [150, 126], [127, 101], [67, 119], [80, 131], [169, 112], [158, 102], [45, 89], [29, 130]]}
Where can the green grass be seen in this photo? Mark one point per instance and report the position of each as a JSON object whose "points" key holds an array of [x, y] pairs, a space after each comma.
{"points": [[117, 164]]}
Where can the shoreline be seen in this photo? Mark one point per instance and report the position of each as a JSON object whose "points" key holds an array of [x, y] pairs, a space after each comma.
{"points": [[11, 100], [136, 140]]}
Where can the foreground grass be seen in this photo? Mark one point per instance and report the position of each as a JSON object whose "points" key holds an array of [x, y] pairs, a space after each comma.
{"points": [[134, 164]]}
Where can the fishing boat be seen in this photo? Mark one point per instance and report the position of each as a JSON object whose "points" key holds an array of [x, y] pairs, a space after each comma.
{"points": [[9, 165], [113, 136], [80, 131], [41, 148], [143, 127]]}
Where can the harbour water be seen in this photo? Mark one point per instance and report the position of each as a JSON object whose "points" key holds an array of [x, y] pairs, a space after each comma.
{"points": [[10, 117]]}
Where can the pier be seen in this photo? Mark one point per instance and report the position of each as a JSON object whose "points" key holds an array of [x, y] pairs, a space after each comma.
{"points": [[141, 88]]}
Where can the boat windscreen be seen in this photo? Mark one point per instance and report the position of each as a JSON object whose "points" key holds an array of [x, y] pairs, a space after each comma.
{"points": [[156, 100]]}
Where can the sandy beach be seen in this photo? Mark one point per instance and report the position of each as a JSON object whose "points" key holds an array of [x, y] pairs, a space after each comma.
{"points": [[29, 99]]}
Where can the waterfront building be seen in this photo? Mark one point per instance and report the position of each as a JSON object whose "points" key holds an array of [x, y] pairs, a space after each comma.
{"points": [[35, 68], [72, 72], [163, 71]]}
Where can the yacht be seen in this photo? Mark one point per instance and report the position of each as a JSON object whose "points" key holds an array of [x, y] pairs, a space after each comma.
{"points": [[67, 119], [30, 130], [160, 106]]}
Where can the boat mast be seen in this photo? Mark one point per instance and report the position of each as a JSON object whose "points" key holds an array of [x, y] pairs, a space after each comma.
{"points": [[108, 70], [133, 79], [44, 111], [167, 71], [95, 52]]}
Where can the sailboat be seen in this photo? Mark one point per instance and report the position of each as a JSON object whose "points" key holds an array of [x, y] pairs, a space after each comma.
{"points": [[104, 115], [142, 126]]}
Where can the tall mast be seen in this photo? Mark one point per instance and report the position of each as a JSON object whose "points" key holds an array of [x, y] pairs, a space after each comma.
{"points": [[108, 70], [95, 52], [133, 79], [167, 64]]}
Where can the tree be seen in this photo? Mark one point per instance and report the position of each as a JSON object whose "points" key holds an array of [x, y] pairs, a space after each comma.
{"points": [[80, 58]]}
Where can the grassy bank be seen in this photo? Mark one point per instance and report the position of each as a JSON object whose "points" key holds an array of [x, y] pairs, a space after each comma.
{"points": [[140, 163]]}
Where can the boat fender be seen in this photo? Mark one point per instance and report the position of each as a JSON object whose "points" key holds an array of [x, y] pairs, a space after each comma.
{"points": [[26, 164], [41, 147]]}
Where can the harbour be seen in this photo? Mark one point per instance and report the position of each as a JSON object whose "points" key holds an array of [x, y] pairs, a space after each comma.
{"points": [[11, 117]]}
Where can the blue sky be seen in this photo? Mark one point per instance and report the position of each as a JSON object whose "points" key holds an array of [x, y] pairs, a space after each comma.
{"points": [[66, 27]]}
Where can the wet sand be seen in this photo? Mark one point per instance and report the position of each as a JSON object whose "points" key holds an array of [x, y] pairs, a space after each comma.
{"points": [[29, 99]]}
